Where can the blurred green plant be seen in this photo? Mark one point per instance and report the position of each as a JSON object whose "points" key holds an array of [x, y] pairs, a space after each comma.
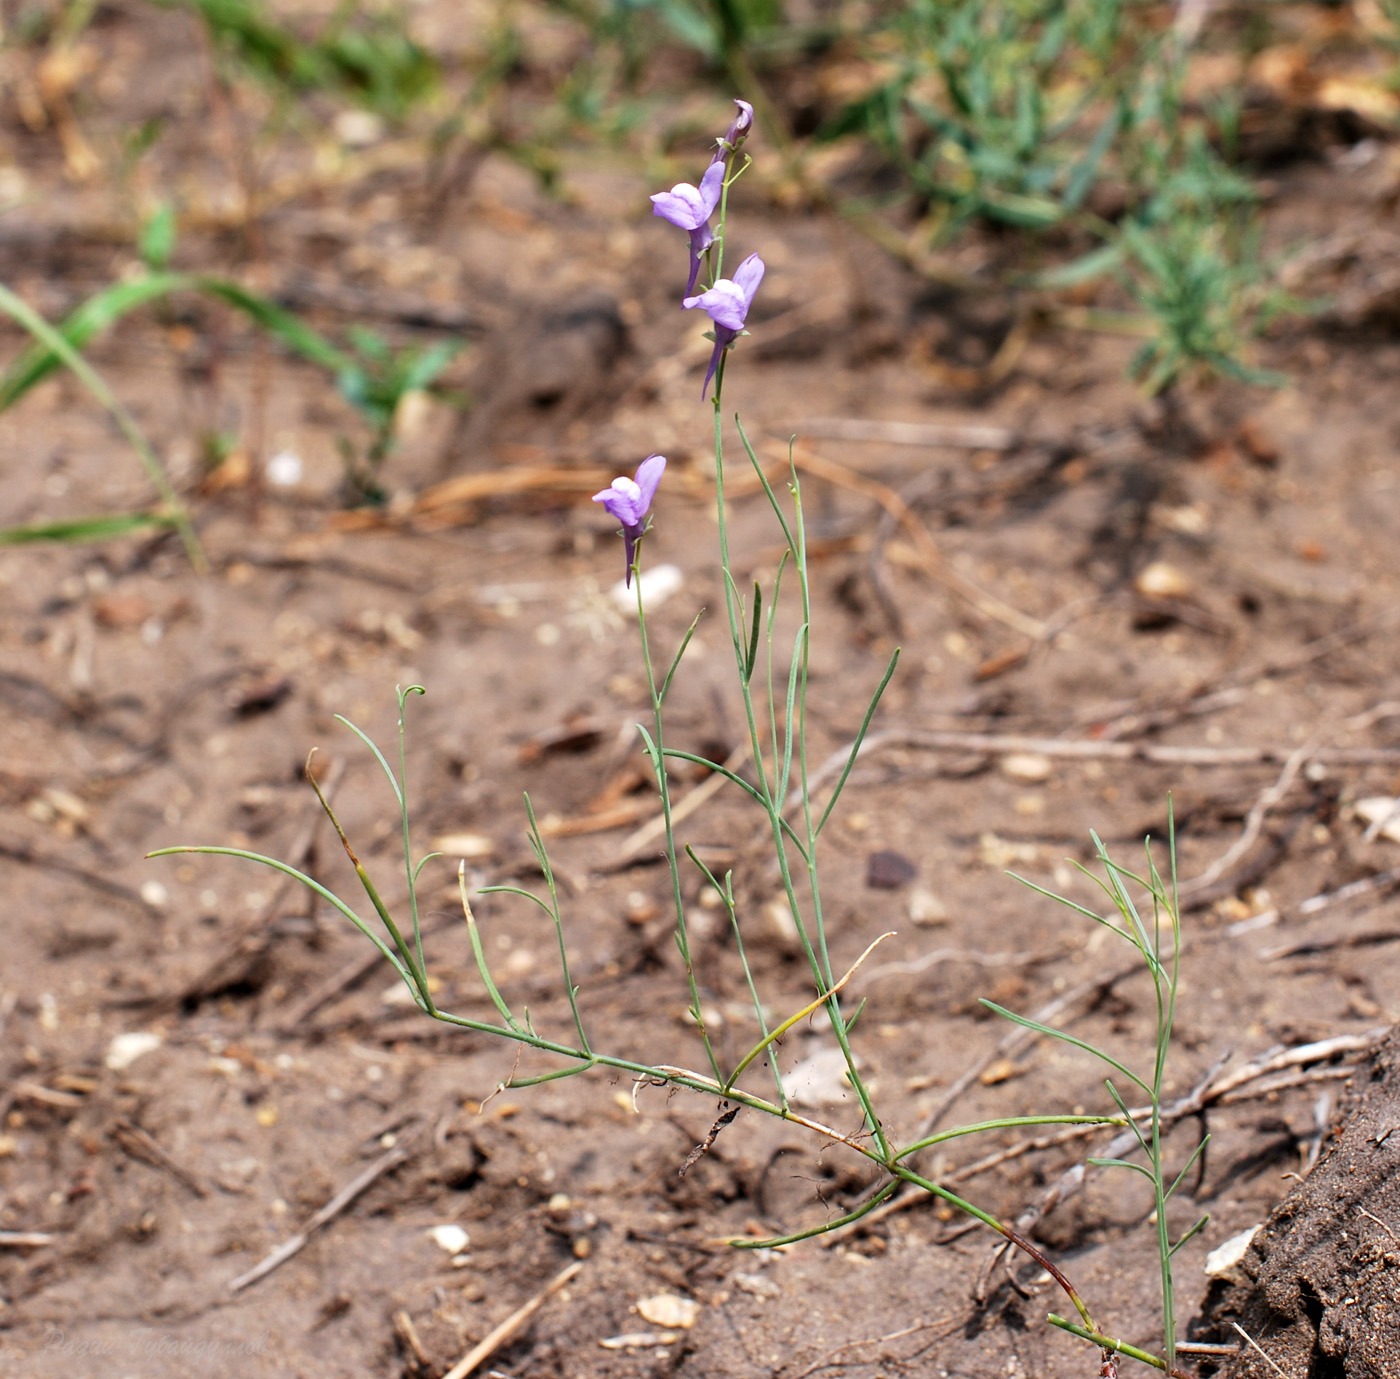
{"points": [[1064, 119], [363, 54], [1004, 112], [374, 378], [58, 350], [1020, 113], [376, 382]]}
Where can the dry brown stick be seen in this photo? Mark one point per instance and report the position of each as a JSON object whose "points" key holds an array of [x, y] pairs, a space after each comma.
{"points": [[25, 1240], [1139, 720], [407, 1333], [1089, 749], [342, 979], [637, 841], [499, 1335], [938, 434], [342, 1199], [1254, 822], [24, 1088], [829, 1360], [1205, 1094], [1314, 650], [1326, 899], [1254, 1345], [1315, 904], [931, 559], [141, 1145]]}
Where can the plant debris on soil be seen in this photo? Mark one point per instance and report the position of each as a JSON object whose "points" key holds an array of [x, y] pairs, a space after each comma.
{"points": [[229, 1145]]}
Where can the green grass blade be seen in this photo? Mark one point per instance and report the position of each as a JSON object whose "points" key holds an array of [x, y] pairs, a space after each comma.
{"points": [[1066, 1038], [1194, 1231], [825, 1228], [85, 528], [311, 884], [93, 316], [859, 740], [281, 324], [21, 312]]}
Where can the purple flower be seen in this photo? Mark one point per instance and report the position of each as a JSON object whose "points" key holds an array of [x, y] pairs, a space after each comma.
{"points": [[727, 304], [690, 208], [629, 500], [736, 133]]}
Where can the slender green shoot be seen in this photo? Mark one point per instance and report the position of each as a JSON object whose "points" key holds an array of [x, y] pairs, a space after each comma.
{"points": [[63, 353]]}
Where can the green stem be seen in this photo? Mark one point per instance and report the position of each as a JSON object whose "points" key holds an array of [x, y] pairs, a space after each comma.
{"points": [[16, 307], [656, 747], [1116, 1346]]}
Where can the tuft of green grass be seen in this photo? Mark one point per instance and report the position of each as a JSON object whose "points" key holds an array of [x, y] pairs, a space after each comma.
{"points": [[363, 54]]}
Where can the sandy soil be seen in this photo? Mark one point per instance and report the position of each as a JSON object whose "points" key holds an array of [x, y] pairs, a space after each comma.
{"points": [[1204, 609]]}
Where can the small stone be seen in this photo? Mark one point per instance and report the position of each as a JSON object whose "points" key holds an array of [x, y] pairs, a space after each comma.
{"points": [[926, 908], [888, 870], [659, 582], [669, 1310], [1027, 766], [450, 1238], [639, 1340], [819, 1079], [1003, 1070], [359, 128], [471, 847], [285, 469], [757, 1286], [1160, 580], [777, 916], [1381, 815], [125, 1049], [1224, 1261]]}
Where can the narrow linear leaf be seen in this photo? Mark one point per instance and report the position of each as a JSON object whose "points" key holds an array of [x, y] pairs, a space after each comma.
{"points": [[1065, 1038], [86, 528]]}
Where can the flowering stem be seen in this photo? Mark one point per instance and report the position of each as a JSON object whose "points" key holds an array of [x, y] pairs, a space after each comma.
{"points": [[771, 788], [656, 750]]}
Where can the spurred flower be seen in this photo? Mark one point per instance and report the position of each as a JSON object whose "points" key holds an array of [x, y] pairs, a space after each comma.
{"points": [[690, 208], [736, 133], [629, 500], [727, 304]]}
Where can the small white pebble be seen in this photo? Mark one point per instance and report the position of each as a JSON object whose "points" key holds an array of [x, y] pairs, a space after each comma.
{"points": [[658, 583], [451, 1238], [285, 469], [125, 1049]]}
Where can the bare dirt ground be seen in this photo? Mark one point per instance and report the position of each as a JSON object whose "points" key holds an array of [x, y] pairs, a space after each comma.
{"points": [[1202, 604]]}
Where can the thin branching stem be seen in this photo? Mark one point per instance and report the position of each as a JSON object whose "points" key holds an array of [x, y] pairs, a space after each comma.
{"points": [[656, 752]]}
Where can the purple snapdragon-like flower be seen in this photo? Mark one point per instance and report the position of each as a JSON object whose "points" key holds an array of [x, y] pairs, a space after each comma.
{"points": [[629, 500], [736, 133], [690, 208], [727, 304]]}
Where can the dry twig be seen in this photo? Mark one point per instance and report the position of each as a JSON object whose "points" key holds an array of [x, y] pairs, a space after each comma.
{"points": [[931, 559], [343, 1199], [494, 1340], [141, 1145]]}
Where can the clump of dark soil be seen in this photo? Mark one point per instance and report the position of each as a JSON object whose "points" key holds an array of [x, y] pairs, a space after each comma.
{"points": [[1319, 1290]]}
